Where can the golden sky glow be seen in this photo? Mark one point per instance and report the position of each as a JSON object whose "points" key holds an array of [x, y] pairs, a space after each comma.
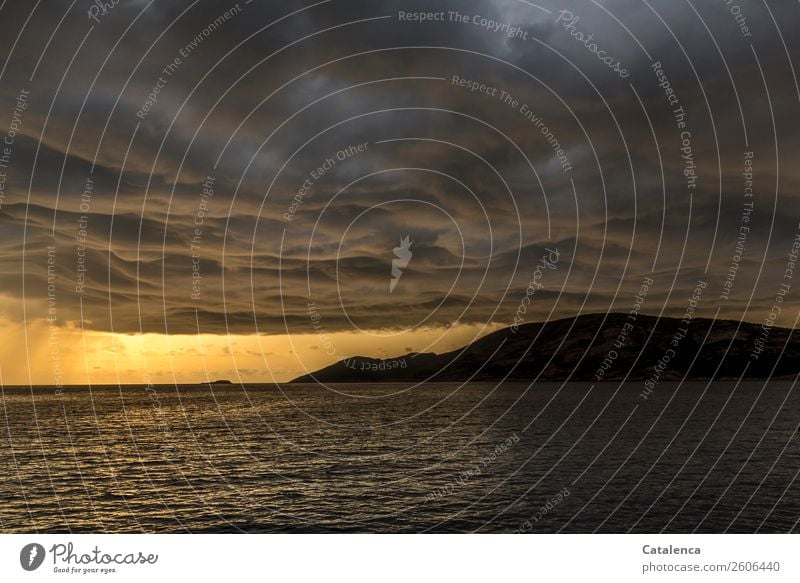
{"points": [[86, 356]]}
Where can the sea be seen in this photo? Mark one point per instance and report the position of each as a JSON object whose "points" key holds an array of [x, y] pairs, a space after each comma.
{"points": [[390, 458]]}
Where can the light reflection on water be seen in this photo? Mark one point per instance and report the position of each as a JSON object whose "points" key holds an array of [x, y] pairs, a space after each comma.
{"points": [[374, 458]]}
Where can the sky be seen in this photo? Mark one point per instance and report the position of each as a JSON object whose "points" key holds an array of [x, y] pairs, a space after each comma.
{"points": [[208, 189]]}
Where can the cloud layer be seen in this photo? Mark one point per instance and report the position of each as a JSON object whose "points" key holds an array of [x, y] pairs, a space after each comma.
{"points": [[249, 161]]}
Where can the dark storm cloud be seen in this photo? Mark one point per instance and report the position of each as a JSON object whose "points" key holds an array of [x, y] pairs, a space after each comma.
{"points": [[264, 107]]}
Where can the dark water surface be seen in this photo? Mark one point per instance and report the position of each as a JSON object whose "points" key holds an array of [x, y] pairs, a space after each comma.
{"points": [[378, 458]]}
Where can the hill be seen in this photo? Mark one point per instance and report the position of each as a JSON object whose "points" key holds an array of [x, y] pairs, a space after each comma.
{"points": [[592, 347]]}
